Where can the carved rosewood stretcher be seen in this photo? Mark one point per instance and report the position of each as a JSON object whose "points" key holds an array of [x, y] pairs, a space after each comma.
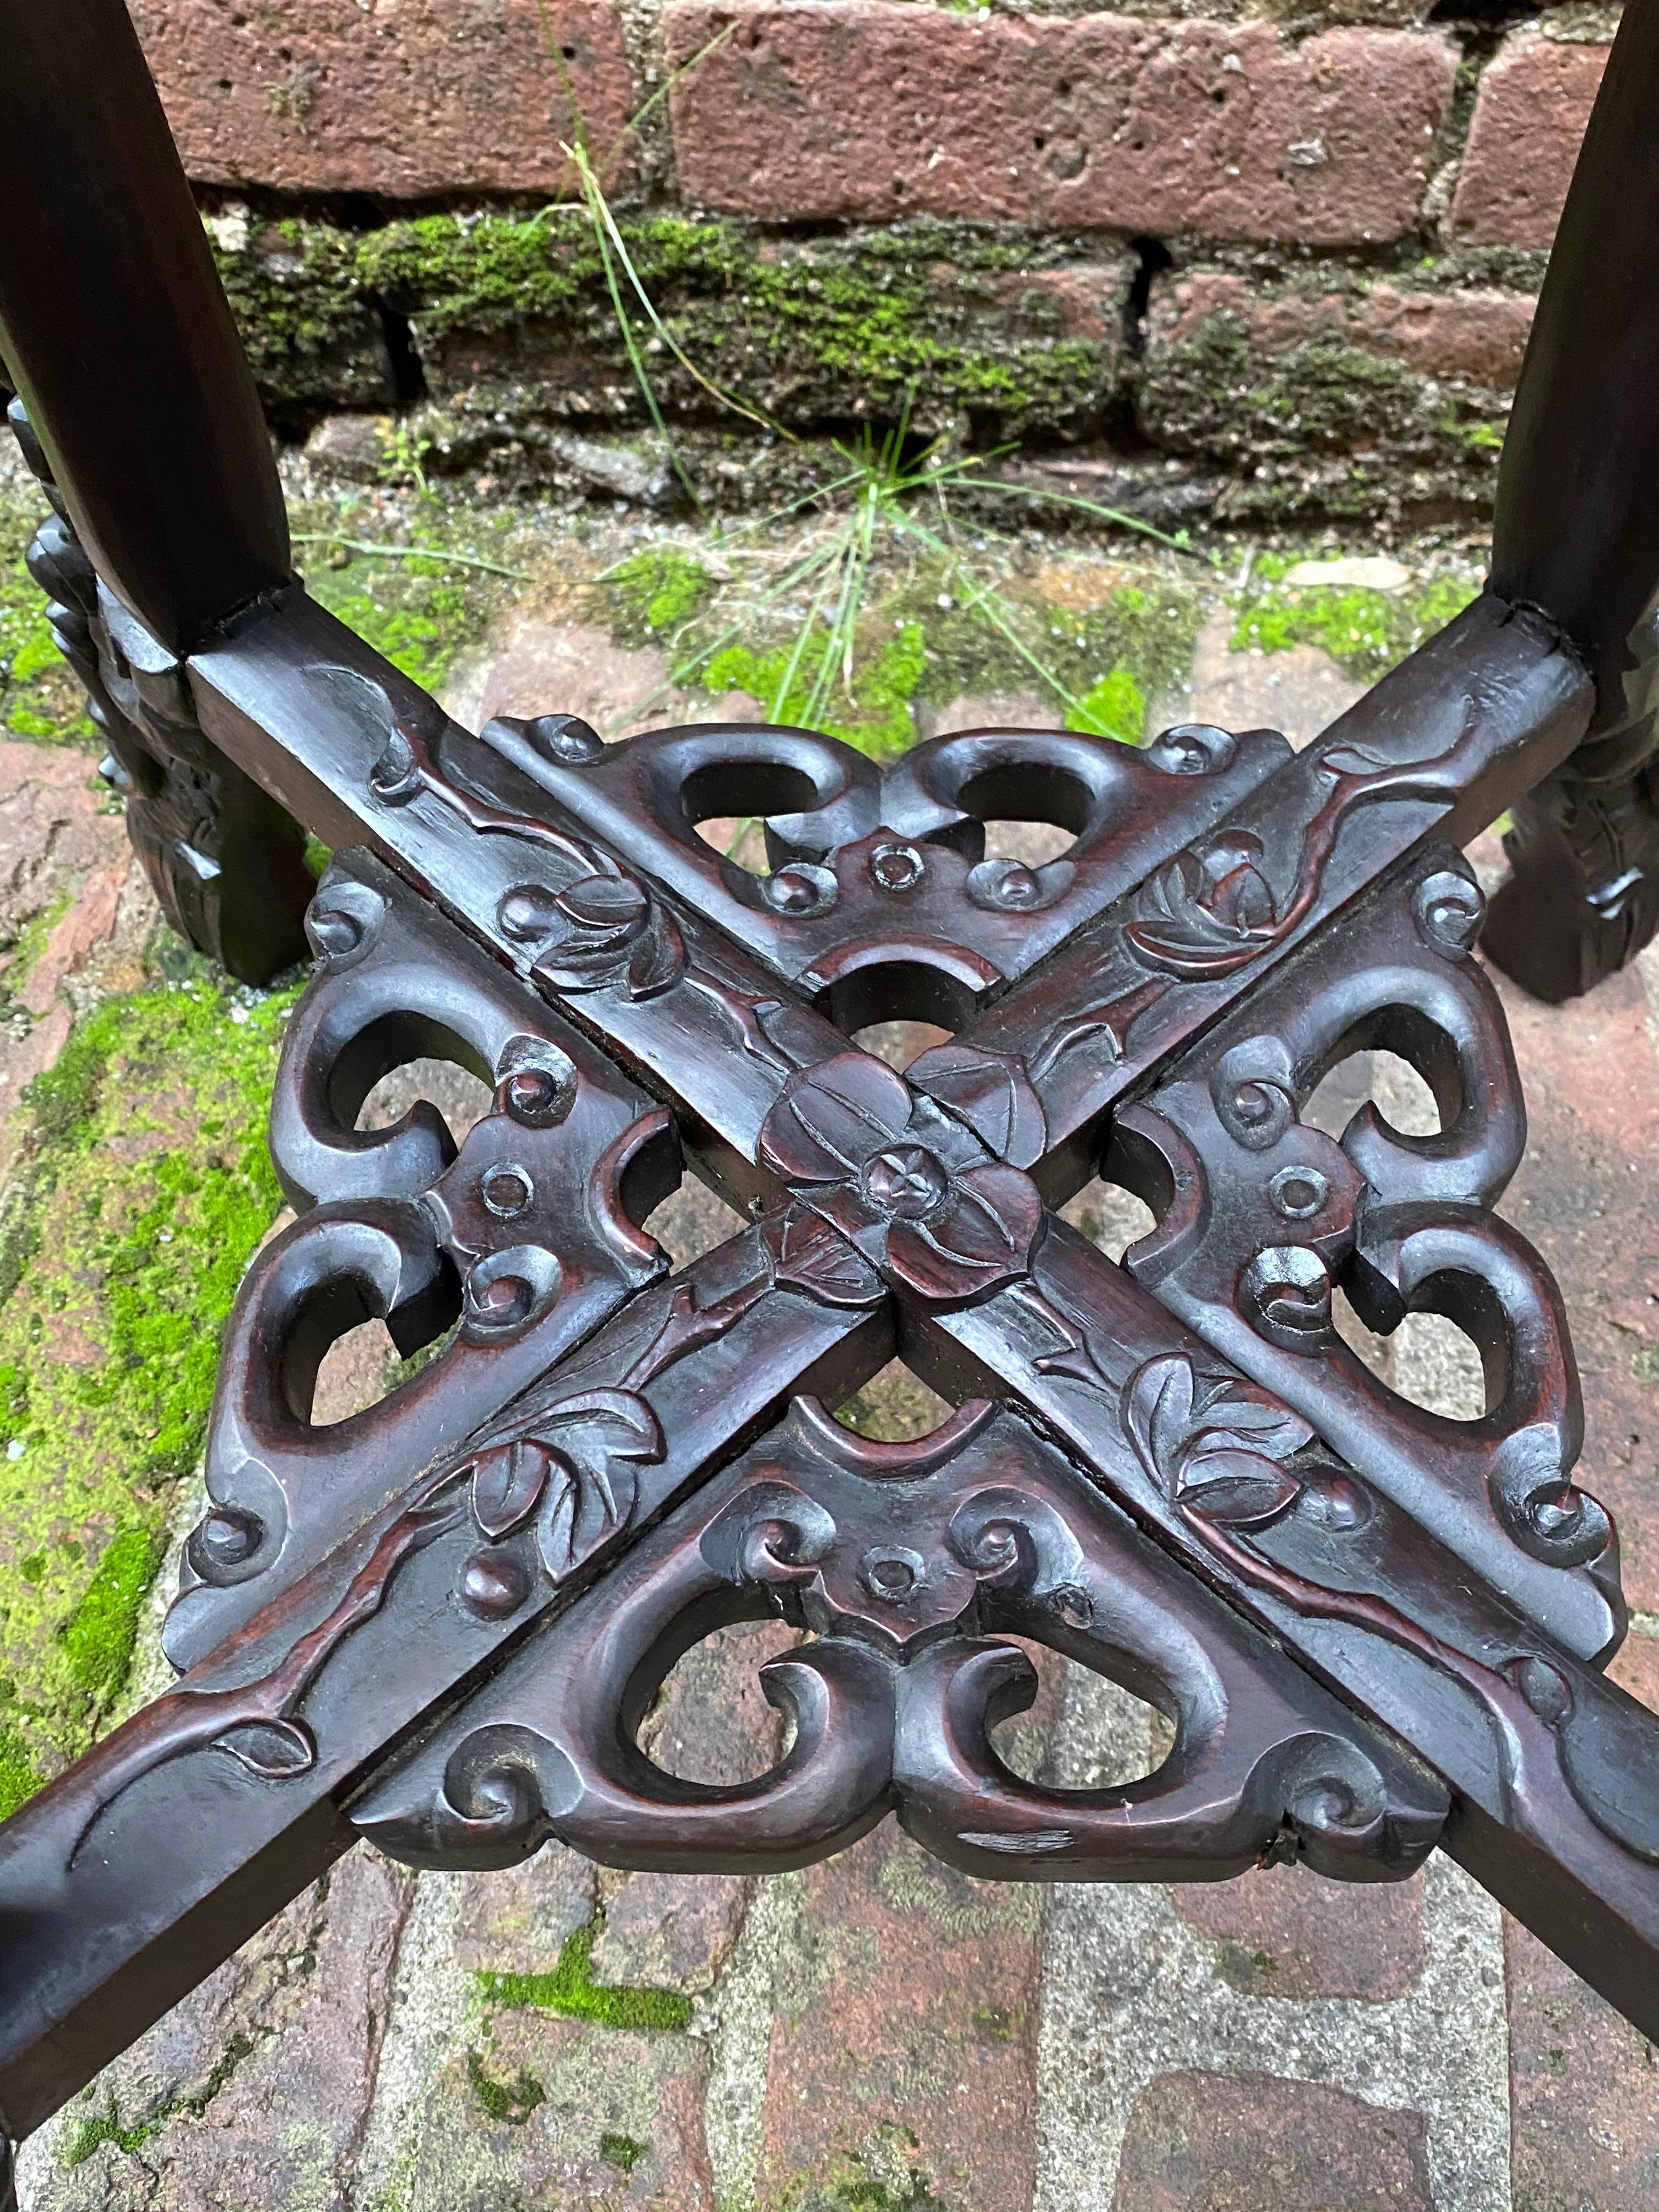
{"points": [[437, 1626]]}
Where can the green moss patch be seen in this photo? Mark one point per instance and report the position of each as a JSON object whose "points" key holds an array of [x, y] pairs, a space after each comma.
{"points": [[622, 2152], [1325, 425], [570, 1988], [929, 634], [1367, 632], [147, 1187], [511, 2099], [510, 309], [91, 2135], [420, 596], [653, 593], [39, 697], [306, 314]]}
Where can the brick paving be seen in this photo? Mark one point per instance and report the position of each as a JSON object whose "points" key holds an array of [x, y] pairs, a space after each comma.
{"points": [[880, 2033]]}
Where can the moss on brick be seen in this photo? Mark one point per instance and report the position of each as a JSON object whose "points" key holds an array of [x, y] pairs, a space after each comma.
{"points": [[570, 1988], [147, 1185], [1368, 632], [844, 326], [307, 315], [511, 2099], [91, 2135], [1324, 426]]}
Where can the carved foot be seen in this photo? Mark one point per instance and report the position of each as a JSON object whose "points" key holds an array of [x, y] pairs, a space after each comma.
{"points": [[1584, 897], [226, 862]]}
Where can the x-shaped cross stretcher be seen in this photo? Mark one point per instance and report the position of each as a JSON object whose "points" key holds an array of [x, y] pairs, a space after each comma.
{"points": [[439, 1624]]}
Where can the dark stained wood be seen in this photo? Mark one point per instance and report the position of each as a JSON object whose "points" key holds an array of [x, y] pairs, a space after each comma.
{"points": [[440, 1624], [116, 331], [1576, 531]]}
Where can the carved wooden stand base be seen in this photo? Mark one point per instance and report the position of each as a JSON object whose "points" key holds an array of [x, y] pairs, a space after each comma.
{"points": [[438, 1625]]}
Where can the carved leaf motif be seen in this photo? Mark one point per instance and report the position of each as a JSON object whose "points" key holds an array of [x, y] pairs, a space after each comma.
{"points": [[657, 960], [1238, 1489], [808, 1255], [271, 1749], [592, 1488], [1271, 1427], [1354, 760], [508, 1482], [1209, 899], [620, 934], [575, 965], [1227, 1468], [614, 904]]}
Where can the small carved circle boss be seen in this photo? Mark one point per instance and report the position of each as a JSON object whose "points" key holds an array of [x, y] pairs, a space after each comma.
{"points": [[905, 1182], [507, 1191], [897, 867], [1298, 1193]]}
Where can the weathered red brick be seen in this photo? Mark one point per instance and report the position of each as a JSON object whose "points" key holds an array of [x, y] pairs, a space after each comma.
{"points": [[903, 2054], [1529, 117], [1585, 1197], [1218, 2142], [1287, 1932], [1584, 2129], [815, 108], [401, 98], [1476, 337]]}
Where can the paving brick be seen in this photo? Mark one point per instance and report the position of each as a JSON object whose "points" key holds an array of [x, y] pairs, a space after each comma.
{"points": [[1587, 1194], [402, 98], [1584, 2117], [538, 2110], [1530, 112], [514, 1921], [1286, 1932], [255, 2089], [1214, 2143], [819, 108], [903, 2048], [65, 862]]}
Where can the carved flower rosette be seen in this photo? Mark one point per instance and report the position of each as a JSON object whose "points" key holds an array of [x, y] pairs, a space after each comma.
{"points": [[908, 1184]]}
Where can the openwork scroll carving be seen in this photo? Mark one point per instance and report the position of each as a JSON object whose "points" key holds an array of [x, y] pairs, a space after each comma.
{"points": [[439, 1623]]}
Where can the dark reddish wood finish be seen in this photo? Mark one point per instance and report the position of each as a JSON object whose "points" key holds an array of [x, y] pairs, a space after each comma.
{"points": [[438, 1625]]}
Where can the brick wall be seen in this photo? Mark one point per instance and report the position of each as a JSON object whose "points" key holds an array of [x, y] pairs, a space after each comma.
{"points": [[1193, 261]]}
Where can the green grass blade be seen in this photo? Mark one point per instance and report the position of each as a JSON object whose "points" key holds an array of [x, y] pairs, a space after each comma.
{"points": [[380, 552], [1089, 507]]}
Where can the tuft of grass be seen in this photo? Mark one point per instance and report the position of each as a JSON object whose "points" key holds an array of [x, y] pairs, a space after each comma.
{"points": [[879, 497], [571, 1989]]}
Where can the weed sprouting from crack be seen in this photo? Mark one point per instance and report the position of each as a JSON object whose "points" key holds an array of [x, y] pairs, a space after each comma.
{"points": [[879, 501]]}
